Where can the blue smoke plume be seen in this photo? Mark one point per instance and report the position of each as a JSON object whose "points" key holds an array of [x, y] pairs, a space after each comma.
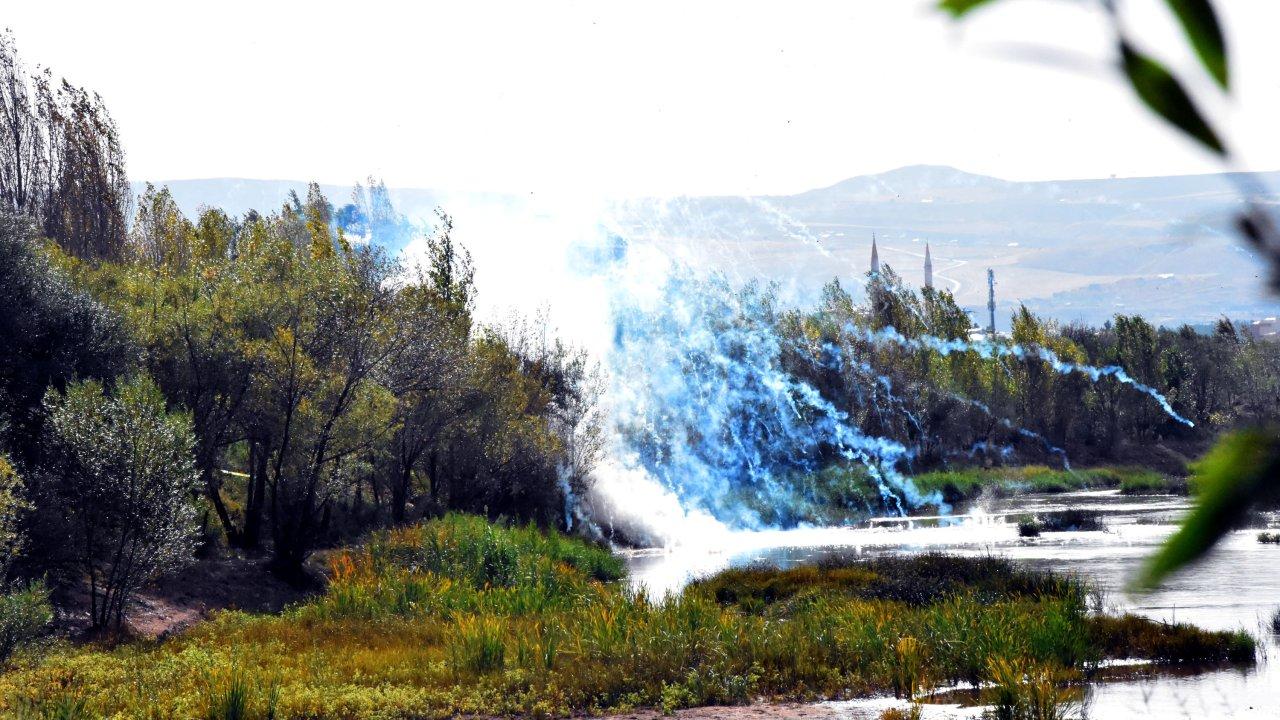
{"points": [[705, 404], [988, 349], [703, 401]]}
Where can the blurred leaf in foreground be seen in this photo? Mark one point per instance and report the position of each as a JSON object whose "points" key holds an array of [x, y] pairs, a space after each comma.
{"points": [[1205, 33], [1242, 469], [957, 8], [1161, 91]]}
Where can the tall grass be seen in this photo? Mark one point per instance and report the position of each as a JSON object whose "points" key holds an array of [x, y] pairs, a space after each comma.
{"points": [[1022, 691], [230, 702], [459, 617]]}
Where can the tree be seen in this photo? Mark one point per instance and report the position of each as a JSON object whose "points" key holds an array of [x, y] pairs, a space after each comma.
{"points": [[121, 473], [215, 234], [61, 162], [319, 343], [51, 331], [182, 296], [23, 165], [429, 379], [87, 203], [161, 235]]}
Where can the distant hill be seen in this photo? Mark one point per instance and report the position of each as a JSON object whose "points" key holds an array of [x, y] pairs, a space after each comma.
{"points": [[1072, 249]]}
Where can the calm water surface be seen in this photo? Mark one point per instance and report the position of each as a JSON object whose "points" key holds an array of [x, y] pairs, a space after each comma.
{"points": [[1237, 587]]}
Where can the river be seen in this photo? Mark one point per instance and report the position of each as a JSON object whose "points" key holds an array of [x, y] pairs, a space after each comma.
{"points": [[1238, 586]]}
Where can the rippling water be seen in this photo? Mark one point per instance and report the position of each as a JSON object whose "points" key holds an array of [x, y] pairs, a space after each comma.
{"points": [[1237, 587]]}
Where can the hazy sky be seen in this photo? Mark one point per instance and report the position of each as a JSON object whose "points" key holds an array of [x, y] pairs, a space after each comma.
{"points": [[635, 97]]}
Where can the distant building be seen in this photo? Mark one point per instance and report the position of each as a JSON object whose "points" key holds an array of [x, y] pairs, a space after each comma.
{"points": [[1265, 329], [928, 262]]}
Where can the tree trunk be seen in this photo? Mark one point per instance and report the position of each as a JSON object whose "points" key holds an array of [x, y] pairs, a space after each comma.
{"points": [[213, 487], [252, 535]]}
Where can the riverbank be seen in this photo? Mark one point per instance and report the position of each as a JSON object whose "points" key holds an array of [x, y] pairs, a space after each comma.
{"points": [[966, 484], [462, 617]]}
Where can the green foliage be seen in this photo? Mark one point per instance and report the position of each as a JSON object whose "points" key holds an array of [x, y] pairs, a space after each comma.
{"points": [[913, 579], [980, 407], [25, 614], [1139, 481], [52, 331], [1073, 520], [1200, 23], [1240, 470], [232, 703], [64, 706], [467, 547], [121, 473], [14, 504], [959, 8], [1170, 644], [1029, 691], [964, 484], [1165, 96], [346, 389], [908, 667], [913, 712], [478, 647], [462, 562], [25, 610]]}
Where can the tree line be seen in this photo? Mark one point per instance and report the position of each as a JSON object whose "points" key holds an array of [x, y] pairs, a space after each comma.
{"points": [[994, 408], [274, 382]]}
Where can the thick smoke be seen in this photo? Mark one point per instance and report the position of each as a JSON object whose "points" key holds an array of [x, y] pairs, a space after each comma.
{"points": [[705, 406]]}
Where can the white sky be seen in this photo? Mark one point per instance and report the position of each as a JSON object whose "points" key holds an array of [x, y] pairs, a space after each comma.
{"points": [[648, 97]]}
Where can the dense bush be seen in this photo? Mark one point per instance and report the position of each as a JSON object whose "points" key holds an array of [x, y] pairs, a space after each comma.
{"points": [[52, 330], [25, 614], [25, 611], [120, 472]]}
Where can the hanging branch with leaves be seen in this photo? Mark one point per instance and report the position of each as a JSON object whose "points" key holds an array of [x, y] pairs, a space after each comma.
{"points": [[1243, 470]]}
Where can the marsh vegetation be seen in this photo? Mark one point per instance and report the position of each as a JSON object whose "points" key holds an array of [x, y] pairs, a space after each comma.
{"points": [[460, 616]]}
